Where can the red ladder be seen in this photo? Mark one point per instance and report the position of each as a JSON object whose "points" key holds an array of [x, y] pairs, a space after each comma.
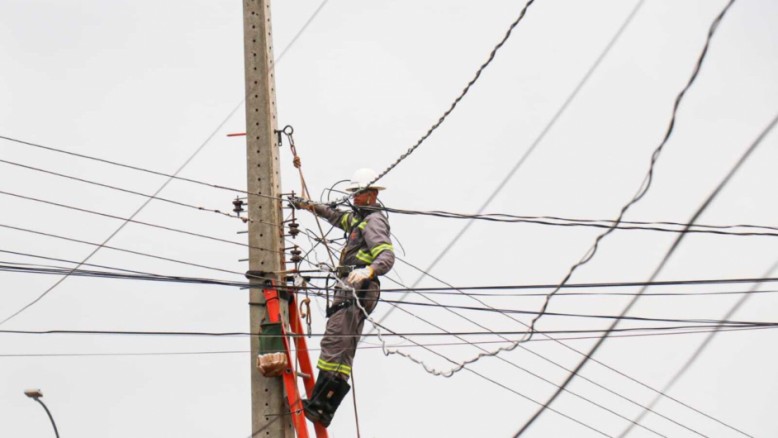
{"points": [[305, 371]]}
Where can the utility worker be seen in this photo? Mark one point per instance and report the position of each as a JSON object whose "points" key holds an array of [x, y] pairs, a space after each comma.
{"points": [[367, 254]]}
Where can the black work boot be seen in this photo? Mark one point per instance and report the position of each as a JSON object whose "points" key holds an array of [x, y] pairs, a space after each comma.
{"points": [[322, 406], [314, 406]]}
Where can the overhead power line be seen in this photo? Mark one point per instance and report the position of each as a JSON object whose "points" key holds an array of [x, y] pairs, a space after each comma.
{"points": [[698, 351], [598, 285], [115, 275], [169, 177], [137, 275], [517, 366], [128, 251], [378, 347], [669, 253], [571, 315], [120, 273], [129, 220], [124, 223], [455, 292], [652, 329], [120, 189], [456, 101], [533, 146], [646, 184], [667, 227], [424, 291]]}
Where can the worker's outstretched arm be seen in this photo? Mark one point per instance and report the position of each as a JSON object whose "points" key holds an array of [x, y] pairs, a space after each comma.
{"points": [[335, 217], [379, 241]]}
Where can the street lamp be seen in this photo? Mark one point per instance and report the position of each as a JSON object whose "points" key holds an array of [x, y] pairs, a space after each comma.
{"points": [[36, 395]]}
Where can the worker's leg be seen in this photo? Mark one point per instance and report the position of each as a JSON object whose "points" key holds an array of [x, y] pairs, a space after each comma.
{"points": [[335, 341], [337, 354], [339, 344], [332, 383], [357, 318]]}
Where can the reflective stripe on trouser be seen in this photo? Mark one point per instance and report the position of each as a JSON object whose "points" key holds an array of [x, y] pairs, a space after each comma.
{"points": [[339, 344]]}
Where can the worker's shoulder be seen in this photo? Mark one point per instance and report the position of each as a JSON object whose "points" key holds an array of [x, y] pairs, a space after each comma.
{"points": [[375, 219]]}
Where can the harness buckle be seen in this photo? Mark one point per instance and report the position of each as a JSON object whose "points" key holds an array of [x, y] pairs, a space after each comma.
{"points": [[343, 271]]}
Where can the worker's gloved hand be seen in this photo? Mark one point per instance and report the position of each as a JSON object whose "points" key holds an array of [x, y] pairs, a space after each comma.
{"points": [[357, 276], [301, 203]]}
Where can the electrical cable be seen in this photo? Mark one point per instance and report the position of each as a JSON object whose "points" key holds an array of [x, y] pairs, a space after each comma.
{"points": [[112, 268], [569, 315], [667, 256], [646, 184], [387, 352], [164, 185], [121, 227], [584, 285], [593, 223], [667, 331], [599, 294], [697, 352], [652, 329], [128, 251], [461, 366], [132, 192], [116, 275], [323, 240], [539, 376], [533, 146], [378, 347], [137, 354], [170, 177], [515, 344], [131, 220], [427, 291], [138, 275], [461, 95]]}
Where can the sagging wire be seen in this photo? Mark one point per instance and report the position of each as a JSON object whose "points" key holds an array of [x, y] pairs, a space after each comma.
{"points": [[661, 226], [130, 220], [388, 351], [464, 92], [127, 166], [538, 376], [128, 251], [132, 192], [648, 179]]}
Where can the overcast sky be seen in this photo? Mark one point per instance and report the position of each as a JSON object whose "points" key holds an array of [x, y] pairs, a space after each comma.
{"points": [[146, 83]]}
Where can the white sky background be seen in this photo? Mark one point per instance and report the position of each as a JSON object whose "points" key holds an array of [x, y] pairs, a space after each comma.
{"points": [[145, 83]]}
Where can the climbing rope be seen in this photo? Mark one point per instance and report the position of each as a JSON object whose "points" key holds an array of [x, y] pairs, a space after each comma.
{"points": [[288, 131], [354, 397]]}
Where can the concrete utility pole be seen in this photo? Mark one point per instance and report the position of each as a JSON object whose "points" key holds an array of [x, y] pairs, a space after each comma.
{"points": [[267, 393]]}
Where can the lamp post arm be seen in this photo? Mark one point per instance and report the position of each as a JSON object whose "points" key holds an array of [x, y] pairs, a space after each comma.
{"points": [[50, 417]]}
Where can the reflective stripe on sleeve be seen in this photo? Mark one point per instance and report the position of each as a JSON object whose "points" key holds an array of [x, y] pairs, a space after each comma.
{"points": [[378, 249], [364, 256]]}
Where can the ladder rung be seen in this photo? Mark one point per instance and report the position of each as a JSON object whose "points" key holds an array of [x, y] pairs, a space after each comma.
{"points": [[304, 375]]}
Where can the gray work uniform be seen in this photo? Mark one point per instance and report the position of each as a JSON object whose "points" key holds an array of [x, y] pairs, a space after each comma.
{"points": [[368, 243]]}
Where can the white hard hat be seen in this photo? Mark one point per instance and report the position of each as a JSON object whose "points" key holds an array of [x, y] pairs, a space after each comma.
{"points": [[362, 179]]}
